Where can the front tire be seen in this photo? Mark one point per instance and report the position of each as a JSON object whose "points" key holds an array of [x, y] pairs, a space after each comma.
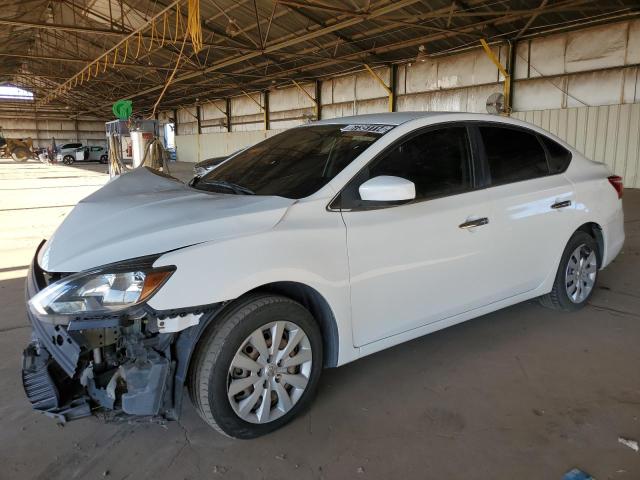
{"points": [[577, 275], [257, 366], [20, 154], [68, 160]]}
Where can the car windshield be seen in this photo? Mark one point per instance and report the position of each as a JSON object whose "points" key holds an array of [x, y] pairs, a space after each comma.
{"points": [[293, 164]]}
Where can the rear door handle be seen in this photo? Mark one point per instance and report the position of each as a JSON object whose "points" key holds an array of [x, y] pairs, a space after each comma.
{"points": [[564, 204], [474, 223]]}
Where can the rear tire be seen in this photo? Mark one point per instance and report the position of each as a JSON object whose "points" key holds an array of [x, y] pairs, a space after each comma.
{"points": [[20, 154], [576, 276], [104, 159], [232, 398]]}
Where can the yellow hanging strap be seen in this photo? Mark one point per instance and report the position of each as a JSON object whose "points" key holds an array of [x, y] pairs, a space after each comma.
{"points": [[126, 50], [164, 29], [97, 68], [139, 42], [194, 28], [177, 29], [115, 57], [153, 32], [106, 60]]}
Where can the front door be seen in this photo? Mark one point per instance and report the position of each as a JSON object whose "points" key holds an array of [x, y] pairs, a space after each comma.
{"points": [[424, 261]]}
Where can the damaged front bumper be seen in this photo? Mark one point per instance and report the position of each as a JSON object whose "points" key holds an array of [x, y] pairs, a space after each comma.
{"points": [[120, 365]]}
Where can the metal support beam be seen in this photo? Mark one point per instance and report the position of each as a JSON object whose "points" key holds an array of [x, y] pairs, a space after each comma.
{"points": [[393, 82], [503, 71], [265, 108], [175, 122], [316, 106], [228, 113], [199, 118], [318, 86], [390, 93]]}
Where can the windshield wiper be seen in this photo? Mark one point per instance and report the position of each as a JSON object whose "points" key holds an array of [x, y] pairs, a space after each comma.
{"points": [[234, 187]]}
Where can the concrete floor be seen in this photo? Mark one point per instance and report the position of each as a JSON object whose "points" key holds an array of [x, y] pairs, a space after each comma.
{"points": [[523, 393]]}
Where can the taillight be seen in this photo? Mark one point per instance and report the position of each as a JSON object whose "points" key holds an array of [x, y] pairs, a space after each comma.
{"points": [[616, 182]]}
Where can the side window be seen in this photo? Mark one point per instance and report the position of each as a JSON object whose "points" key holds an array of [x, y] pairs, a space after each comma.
{"points": [[437, 162], [558, 156], [513, 155]]}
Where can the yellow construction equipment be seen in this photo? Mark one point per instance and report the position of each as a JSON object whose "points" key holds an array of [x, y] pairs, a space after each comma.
{"points": [[20, 149]]}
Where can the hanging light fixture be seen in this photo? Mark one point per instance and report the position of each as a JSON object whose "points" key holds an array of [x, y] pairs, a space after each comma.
{"points": [[422, 54]]}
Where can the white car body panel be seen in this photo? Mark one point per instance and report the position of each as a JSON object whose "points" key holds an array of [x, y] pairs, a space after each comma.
{"points": [[387, 275]]}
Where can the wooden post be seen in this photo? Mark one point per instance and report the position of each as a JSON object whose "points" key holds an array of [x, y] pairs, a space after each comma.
{"points": [[228, 113]]}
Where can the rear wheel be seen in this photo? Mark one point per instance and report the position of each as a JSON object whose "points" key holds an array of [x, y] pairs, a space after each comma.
{"points": [[257, 367], [103, 159], [20, 154], [577, 274], [68, 160]]}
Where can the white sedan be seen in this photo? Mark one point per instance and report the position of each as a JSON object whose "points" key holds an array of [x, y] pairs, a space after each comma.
{"points": [[311, 249]]}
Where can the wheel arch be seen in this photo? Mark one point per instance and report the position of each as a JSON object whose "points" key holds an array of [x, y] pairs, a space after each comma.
{"points": [[320, 309], [595, 230]]}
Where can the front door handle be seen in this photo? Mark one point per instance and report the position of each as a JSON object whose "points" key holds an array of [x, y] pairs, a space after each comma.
{"points": [[564, 204], [474, 223]]}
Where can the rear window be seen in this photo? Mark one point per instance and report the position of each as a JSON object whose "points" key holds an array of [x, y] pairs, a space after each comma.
{"points": [[558, 156], [513, 155]]}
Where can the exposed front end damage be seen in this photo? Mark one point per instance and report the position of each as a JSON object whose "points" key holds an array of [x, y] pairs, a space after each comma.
{"points": [[131, 364]]}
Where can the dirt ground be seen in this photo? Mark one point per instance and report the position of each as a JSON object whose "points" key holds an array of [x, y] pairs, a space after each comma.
{"points": [[523, 393]]}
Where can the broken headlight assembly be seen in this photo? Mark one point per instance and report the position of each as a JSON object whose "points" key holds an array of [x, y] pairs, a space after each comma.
{"points": [[101, 292]]}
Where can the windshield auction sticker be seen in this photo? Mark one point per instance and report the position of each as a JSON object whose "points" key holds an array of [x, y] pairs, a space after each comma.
{"points": [[382, 129]]}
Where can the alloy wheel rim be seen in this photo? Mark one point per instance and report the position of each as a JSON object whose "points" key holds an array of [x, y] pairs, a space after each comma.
{"points": [[269, 372], [580, 276]]}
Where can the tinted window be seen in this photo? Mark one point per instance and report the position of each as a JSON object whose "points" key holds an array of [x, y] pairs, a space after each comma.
{"points": [[513, 155], [295, 163], [72, 145], [437, 162], [557, 156]]}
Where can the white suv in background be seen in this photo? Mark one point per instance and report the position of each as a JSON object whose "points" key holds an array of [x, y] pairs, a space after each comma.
{"points": [[311, 249]]}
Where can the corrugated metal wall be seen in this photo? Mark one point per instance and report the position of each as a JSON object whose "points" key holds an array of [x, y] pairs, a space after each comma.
{"points": [[609, 134]]}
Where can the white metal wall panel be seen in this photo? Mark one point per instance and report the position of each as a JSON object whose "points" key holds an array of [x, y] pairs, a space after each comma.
{"points": [[598, 47], [608, 133]]}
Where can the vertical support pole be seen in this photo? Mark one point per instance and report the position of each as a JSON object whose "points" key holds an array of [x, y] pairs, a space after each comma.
{"points": [[228, 114], [175, 122], [265, 108], [318, 89], [393, 80], [511, 67], [199, 119], [75, 125]]}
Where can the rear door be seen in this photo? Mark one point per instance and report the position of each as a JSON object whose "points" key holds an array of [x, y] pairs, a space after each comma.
{"points": [[419, 262], [531, 202]]}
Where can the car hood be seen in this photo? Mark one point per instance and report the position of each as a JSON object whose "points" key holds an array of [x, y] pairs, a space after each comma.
{"points": [[144, 213]]}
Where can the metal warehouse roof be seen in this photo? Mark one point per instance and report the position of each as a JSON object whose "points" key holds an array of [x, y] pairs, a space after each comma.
{"points": [[251, 45]]}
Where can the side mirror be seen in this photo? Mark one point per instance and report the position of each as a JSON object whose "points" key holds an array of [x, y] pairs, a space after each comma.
{"points": [[386, 188]]}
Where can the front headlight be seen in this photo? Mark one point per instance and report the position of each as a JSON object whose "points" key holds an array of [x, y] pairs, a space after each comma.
{"points": [[99, 292]]}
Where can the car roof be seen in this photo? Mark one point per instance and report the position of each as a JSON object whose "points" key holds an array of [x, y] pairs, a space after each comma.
{"points": [[388, 118], [398, 118]]}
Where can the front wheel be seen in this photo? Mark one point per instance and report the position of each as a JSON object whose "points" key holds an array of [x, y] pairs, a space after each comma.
{"points": [[68, 160], [576, 276], [20, 154], [257, 367]]}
